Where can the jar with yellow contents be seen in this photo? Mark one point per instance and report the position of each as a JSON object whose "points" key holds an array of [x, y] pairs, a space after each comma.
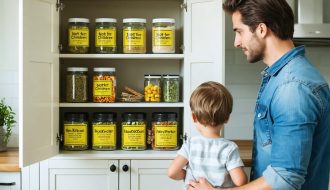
{"points": [[134, 35], [75, 131], [104, 131], [152, 88], [134, 131], [104, 85]]}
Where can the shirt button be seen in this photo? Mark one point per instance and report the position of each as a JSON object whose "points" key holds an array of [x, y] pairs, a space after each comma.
{"points": [[259, 114]]}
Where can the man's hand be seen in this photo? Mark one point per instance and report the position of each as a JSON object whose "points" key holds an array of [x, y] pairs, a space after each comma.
{"points": [[200, 184]]}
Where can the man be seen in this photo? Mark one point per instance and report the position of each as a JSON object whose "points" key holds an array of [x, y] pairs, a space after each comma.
{"points": [[291, 148]]}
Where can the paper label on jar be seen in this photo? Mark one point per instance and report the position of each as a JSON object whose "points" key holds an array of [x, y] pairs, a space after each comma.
{"points": [[105, 37], [162, 37], [79, 37], [104, 135], [103, 88], [166, 136], [75, 134], [135, 37], [134, 136]]}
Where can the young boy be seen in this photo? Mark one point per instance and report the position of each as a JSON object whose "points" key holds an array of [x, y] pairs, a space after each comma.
{"points": [[209, 155]]}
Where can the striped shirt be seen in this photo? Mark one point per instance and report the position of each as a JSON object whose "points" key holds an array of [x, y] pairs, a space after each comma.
{"points": [[211, 158]]}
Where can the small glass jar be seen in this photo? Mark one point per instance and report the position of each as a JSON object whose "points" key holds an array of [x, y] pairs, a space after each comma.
{"points": [[134, 35], [75, 131], [104, 131], [104, 85], [134, 131], [152, 88], [163, 35], [78, 35], [164, 131], [171, 88], [76, 84], [105, 35]]}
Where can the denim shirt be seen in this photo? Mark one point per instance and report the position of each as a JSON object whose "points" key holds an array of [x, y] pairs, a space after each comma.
{"points": [[291, 147]]}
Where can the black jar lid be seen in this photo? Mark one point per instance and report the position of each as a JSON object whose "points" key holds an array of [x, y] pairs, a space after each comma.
{"points": [[76, 117], [171, 116], [133, 116], [104, 117], [159, 116]]}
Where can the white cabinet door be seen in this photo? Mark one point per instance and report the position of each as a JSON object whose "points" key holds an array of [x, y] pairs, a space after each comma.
{"points": [[151, 175], [38, 80], [204, 48]]}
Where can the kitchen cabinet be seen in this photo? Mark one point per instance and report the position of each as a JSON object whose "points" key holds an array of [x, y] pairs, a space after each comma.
{"points": [[10, 181]]}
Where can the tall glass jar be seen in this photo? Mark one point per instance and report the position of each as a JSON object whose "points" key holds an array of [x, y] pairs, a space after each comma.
{"points": [[104, 131], [171, 88], [152, 88], [105, 35], [134, 35], [75, 131], [134, 131], [78, 35], [104, 85], [163, 35], [76, 84]]}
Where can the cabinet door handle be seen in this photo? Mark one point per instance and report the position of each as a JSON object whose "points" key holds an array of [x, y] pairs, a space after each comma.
{"points": [[113, 168], [8, 184], [125, 168]]}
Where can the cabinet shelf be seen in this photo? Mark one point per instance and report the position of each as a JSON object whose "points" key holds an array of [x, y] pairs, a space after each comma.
{"points": [[124, 105], [123, 56]]}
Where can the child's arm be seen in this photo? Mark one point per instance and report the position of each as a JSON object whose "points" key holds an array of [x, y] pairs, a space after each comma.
{"points": [[238, 176], [176, 171]]}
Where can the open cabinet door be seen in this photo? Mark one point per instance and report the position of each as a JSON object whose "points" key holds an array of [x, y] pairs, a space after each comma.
{"points": [[38, 81], [204, 47]]}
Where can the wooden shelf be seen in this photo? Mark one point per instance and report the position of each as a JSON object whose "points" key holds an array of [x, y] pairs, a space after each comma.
{"points": [[124, 105]]}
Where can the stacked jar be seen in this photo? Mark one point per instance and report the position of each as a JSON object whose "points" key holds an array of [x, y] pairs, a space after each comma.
{"points": [[76, 84], [104, 85], [152, 88], [105, 35], [163, 35], [134, 131], [75, 131], [134, 35], [104, 131], [78, 35]]}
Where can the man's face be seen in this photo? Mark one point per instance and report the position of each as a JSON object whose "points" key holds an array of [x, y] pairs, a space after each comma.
{"points": [[252, 46]]}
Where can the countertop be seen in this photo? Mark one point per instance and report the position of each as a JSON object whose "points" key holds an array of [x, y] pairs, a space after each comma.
{"points": [[9, 159]]}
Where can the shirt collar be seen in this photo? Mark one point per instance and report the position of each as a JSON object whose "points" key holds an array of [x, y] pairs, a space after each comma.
{"points": [[280, 63]]}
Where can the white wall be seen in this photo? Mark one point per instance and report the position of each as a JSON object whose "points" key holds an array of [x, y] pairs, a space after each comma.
{"points": [[9, 59]]}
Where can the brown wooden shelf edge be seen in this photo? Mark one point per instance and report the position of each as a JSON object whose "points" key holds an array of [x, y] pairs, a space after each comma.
{"points": [[9, 160], [245, 150]]}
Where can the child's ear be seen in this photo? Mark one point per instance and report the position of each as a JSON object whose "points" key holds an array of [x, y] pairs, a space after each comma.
{"points": [[194, 117], [226, 120]]}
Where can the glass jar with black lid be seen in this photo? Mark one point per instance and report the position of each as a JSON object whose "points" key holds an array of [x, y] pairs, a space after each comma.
{"points": [[134, 131], [104, 131], [75, 131]]}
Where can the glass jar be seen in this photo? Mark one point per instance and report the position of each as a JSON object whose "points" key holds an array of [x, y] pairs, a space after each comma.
{"points": [[134, 35], [134, 131], [75, 131], [104, 131], [105, 35], [76, 84], [78, 34], [163, 35], [171, 88], [104, 85], [152, 88]]}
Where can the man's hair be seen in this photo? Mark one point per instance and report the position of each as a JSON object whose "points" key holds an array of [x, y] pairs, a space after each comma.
{"points": [[211, 103], [276, 14]]}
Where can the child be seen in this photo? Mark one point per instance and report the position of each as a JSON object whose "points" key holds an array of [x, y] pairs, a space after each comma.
{"points": [[209, 155]]}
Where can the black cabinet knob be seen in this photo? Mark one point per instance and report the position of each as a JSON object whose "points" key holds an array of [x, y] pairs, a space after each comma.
{"points": [[112, 168], [125, 168]]}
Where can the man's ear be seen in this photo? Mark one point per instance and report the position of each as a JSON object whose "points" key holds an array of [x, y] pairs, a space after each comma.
{"points": [[262, 30]]}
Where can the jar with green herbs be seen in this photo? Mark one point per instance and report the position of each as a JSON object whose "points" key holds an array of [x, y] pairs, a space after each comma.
{"points": [[76, 84], [104, 131], [78, 35], [105, 35], [134, 131], [171, 88], [134, 35], [75, 131], [163, 35]]}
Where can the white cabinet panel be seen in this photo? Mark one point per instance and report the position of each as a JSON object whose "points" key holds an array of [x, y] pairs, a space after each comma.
{"points": [[10, 181]]}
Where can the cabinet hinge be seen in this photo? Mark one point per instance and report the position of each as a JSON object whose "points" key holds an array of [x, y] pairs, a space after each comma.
{"points": [[184, 6], [59, 6], [184, 137], [59, 138], [60, 47]]}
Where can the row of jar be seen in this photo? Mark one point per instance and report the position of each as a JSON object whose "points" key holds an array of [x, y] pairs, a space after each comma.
{"points": [[157, 88], [134, 35], [135, 134]]}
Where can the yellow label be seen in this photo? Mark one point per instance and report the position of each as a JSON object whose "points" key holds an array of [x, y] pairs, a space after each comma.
{"points": [[105, 37], [79, 37], [134, 135], [75, 134], [134, 37], [104, 135], [166, 136], [103, 88], [163, 37]]}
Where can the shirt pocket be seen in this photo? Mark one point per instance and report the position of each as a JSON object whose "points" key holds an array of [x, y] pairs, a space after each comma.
{"points": [[263, 125]]}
